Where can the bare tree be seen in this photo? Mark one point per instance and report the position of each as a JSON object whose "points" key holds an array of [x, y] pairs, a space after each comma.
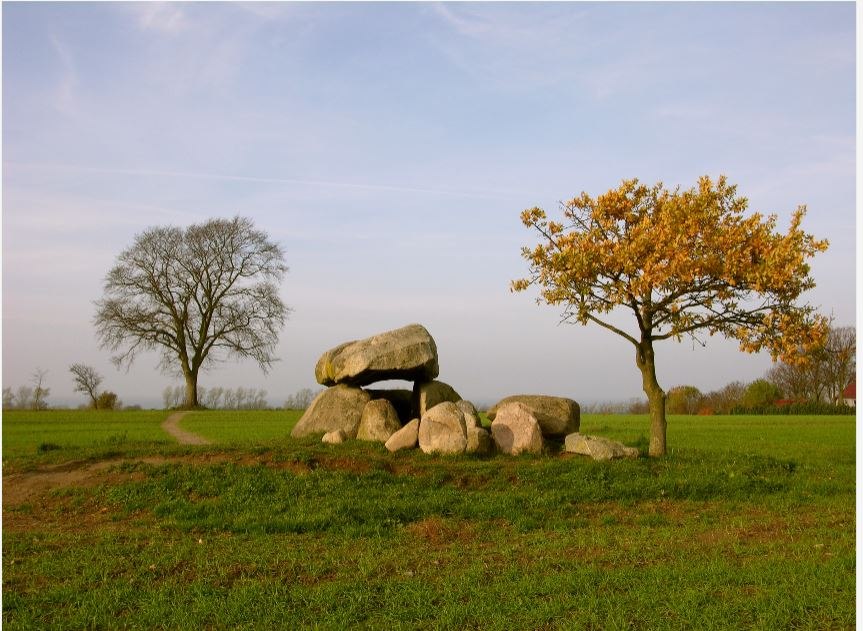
{"points": [[172, 396], [24, 398], [840, 361], [40, 392], [723, 400], [87, 381], [167, 397], [8, 398], [214, 395], [196, 295], [241, 398], [259, 400], [826, 373], [301, 399]]}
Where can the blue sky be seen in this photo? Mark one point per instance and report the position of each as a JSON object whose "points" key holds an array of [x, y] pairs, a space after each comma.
{"points": [[390, 148]]}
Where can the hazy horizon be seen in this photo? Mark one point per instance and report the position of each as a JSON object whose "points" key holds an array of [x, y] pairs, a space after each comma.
{"points": [[389, 148]]}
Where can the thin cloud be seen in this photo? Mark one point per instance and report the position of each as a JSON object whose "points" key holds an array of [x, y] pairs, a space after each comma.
{"points": [[163, 17], [64, 94], [479, 193]]}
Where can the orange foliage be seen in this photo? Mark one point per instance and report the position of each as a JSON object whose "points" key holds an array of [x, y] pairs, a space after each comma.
{"points": [[683, 261]]}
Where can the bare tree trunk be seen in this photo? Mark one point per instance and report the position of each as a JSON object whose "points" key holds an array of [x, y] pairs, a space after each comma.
{"points": [[655, 398], [191, 389]]}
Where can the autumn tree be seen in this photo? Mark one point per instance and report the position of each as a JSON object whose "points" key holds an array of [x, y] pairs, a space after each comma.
{"points": [[760, 393], [196, 295], [683, 400], [682, 263], [87, 381]]}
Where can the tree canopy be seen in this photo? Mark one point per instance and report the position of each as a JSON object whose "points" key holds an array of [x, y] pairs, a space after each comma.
{"points": [[682, 262], [196, 295]]}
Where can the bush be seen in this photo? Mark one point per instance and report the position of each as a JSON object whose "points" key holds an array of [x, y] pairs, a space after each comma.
{"points": [[106, 401], [805, 407]]}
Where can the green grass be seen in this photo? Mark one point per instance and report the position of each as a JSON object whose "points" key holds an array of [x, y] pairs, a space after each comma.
{"points": [[73, 430], [748, 524], [234, 426]]}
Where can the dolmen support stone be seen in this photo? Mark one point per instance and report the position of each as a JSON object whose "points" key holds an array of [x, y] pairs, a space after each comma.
{"points": [[379, 421], [407, 353], [428, 394], [443, 430], [339, 407], [557, 416]]}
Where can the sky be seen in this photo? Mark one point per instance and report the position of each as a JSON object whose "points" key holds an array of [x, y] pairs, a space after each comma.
{"points": [[390, 148]]}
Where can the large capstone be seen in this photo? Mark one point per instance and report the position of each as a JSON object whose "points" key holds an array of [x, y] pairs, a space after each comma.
{"points": [[335, 408], [557, 416], [407, 353]]}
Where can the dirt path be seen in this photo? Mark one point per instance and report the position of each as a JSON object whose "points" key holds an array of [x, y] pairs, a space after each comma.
{"points": [[172, 426]]}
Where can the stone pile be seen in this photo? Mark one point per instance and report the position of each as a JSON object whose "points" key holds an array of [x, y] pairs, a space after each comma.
{"points": [[431, 415]]}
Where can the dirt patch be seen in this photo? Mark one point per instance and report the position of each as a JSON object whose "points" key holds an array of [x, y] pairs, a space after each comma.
{"points": [[172, 427], [438, 531]]}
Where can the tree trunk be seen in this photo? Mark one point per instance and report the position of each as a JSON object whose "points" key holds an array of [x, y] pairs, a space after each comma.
{"points": [[655, 398], [191, 389]]}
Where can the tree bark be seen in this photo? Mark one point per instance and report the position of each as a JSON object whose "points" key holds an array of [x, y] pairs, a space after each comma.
{"points": [[655, 398], [191, 389]]}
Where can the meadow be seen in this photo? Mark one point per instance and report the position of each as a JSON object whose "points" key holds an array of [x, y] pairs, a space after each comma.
{"points": [[749, 523]]}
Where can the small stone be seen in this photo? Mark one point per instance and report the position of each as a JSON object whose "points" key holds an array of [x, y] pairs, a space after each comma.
{"points": [[598, 447], [335, 437]]}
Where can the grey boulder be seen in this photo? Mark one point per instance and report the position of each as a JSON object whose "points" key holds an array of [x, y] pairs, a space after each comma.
{"points": [[516, 430], [442, 430], [401, 399], [598, 447], [478, 441], [340, 407], [405, 438], [379, 421], [428, 394], [471, 416], [407, 353], [557, 416]]}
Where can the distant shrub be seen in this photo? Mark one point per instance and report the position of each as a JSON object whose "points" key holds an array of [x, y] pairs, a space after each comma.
{"points": [[805, 407], [107, 401], [46, 447]]}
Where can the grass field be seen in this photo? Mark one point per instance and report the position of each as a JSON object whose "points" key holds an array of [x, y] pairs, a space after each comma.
{"points": [[749, 523], [69, 430]]}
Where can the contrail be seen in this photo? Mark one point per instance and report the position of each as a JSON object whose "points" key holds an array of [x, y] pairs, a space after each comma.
{"points": [[267, 180]]}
